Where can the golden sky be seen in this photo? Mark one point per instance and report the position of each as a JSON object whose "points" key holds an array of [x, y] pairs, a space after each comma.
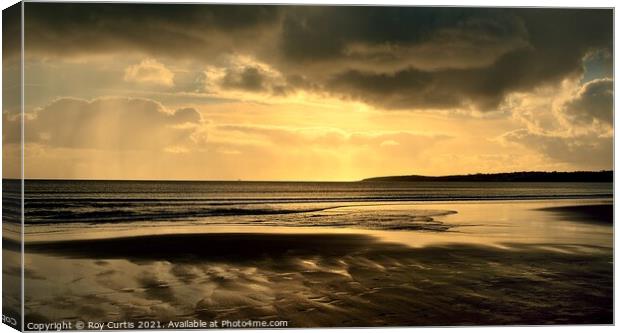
{"points": [[311, 93]]}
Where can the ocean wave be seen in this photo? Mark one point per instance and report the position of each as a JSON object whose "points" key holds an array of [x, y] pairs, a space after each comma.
{"points": [[39, 216], [45, 202]]}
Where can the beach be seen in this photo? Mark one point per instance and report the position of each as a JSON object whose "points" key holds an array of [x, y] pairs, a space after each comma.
{"points": [[514, 262]]}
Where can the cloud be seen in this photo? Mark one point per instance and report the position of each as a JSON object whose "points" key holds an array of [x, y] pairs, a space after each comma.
{"points": [[249, 78], [482, 89], [389, 57], [593, 102], [150, 71], [118, 124], [409, 88], [570, 123], [328, 138], [173, 31], [242, 74], [473, 58], [567, 109], [583, 151], [406, 36]]}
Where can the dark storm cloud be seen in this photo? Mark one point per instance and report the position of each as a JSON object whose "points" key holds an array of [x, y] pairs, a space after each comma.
{"points": [[322, 33], [483, 88], [391, 57], [158, 29], [557, 42]]}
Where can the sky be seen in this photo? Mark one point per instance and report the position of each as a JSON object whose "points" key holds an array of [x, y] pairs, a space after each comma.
{"points": [[217, 92]]}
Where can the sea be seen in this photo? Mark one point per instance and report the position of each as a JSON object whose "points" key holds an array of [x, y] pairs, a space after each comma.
{"points": [[335, 204]]}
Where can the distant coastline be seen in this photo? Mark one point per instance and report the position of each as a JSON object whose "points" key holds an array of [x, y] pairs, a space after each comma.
{"points": [[605, 176]]}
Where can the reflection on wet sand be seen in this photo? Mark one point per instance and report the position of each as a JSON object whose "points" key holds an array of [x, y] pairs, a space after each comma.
{"points": [[343, 280], [322, 279]]}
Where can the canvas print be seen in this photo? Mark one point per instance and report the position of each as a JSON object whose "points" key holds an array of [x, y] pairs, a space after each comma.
{"points": [[183, 166]]}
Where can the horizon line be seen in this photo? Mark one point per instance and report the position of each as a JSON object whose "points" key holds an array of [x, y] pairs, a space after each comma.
{"points": [[302, 181]]}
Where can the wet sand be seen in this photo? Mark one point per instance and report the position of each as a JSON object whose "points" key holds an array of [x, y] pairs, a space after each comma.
{"points": [[334, 279], [585, 213]]}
